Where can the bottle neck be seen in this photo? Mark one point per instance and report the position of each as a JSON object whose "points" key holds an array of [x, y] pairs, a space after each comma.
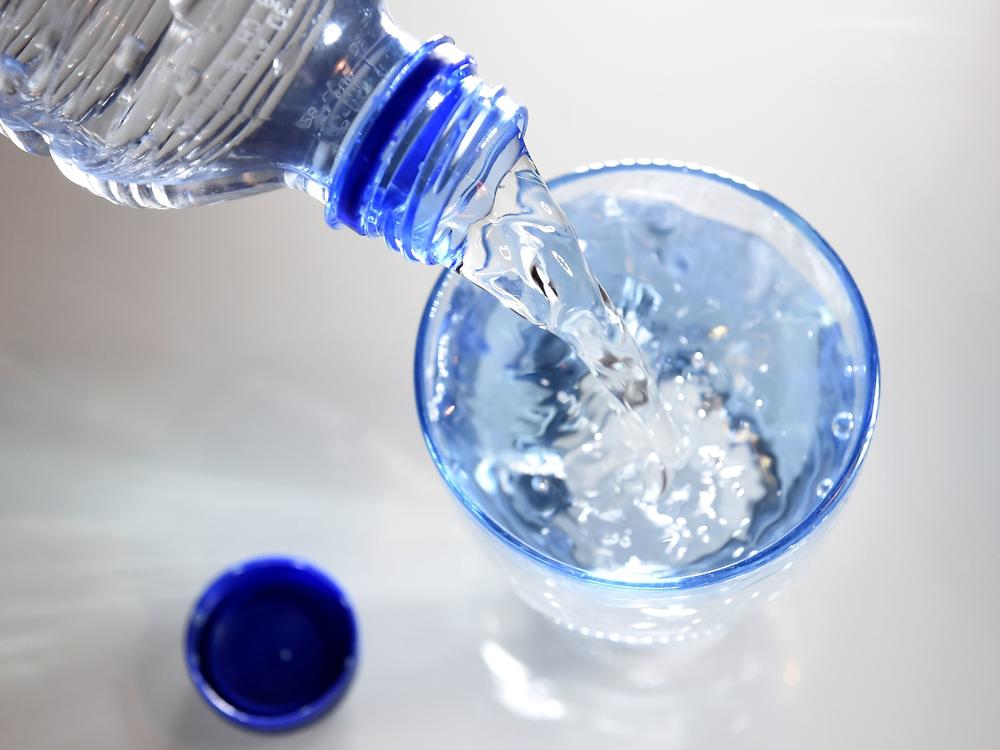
{"points": [[427, 156]]}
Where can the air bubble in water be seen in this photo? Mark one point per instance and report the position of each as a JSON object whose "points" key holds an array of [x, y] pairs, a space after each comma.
{"points": [[539, 484], [612, 207], [824, 487], [678, 265], [842, 425]]}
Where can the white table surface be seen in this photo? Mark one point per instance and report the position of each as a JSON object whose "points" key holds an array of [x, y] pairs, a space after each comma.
{"points": [[182, 390]]}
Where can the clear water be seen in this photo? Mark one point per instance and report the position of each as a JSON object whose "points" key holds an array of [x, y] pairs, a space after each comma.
{"points": [[526, 254], [713, 328]]}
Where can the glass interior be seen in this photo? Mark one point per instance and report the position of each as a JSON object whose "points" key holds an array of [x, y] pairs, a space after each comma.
{"points": [[752, 325]]}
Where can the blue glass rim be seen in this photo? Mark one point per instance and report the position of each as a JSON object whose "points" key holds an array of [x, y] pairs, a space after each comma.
{"points": [[215, 593], [807, 525]]}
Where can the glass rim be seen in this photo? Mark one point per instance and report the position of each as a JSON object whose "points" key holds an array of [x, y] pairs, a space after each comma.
{"points": [[833, 499]]}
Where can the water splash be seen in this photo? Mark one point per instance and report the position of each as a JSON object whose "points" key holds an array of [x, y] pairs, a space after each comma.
{"points": [[525, 254]]}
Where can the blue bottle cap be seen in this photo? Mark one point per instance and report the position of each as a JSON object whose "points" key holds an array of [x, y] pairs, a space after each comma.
{"points": [[272, 644]]}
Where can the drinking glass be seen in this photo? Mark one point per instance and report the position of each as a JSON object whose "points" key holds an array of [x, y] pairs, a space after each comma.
{"points": [[816, 421]]}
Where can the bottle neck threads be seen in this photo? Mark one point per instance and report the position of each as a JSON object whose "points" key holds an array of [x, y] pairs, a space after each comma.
{"points": [[428, 146]]}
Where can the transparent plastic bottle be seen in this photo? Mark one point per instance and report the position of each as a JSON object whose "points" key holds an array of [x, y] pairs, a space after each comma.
{"points": [[172, 103]]}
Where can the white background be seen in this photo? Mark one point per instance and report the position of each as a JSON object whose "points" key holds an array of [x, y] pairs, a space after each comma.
{"points": [[182, 390]]}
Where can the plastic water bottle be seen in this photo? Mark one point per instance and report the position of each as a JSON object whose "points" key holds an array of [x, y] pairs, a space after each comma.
{"points": [[159, 103], [166, 104]]}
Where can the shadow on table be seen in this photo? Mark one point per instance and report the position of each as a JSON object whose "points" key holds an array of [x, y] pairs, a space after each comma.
{"points": [[739, 688]]}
